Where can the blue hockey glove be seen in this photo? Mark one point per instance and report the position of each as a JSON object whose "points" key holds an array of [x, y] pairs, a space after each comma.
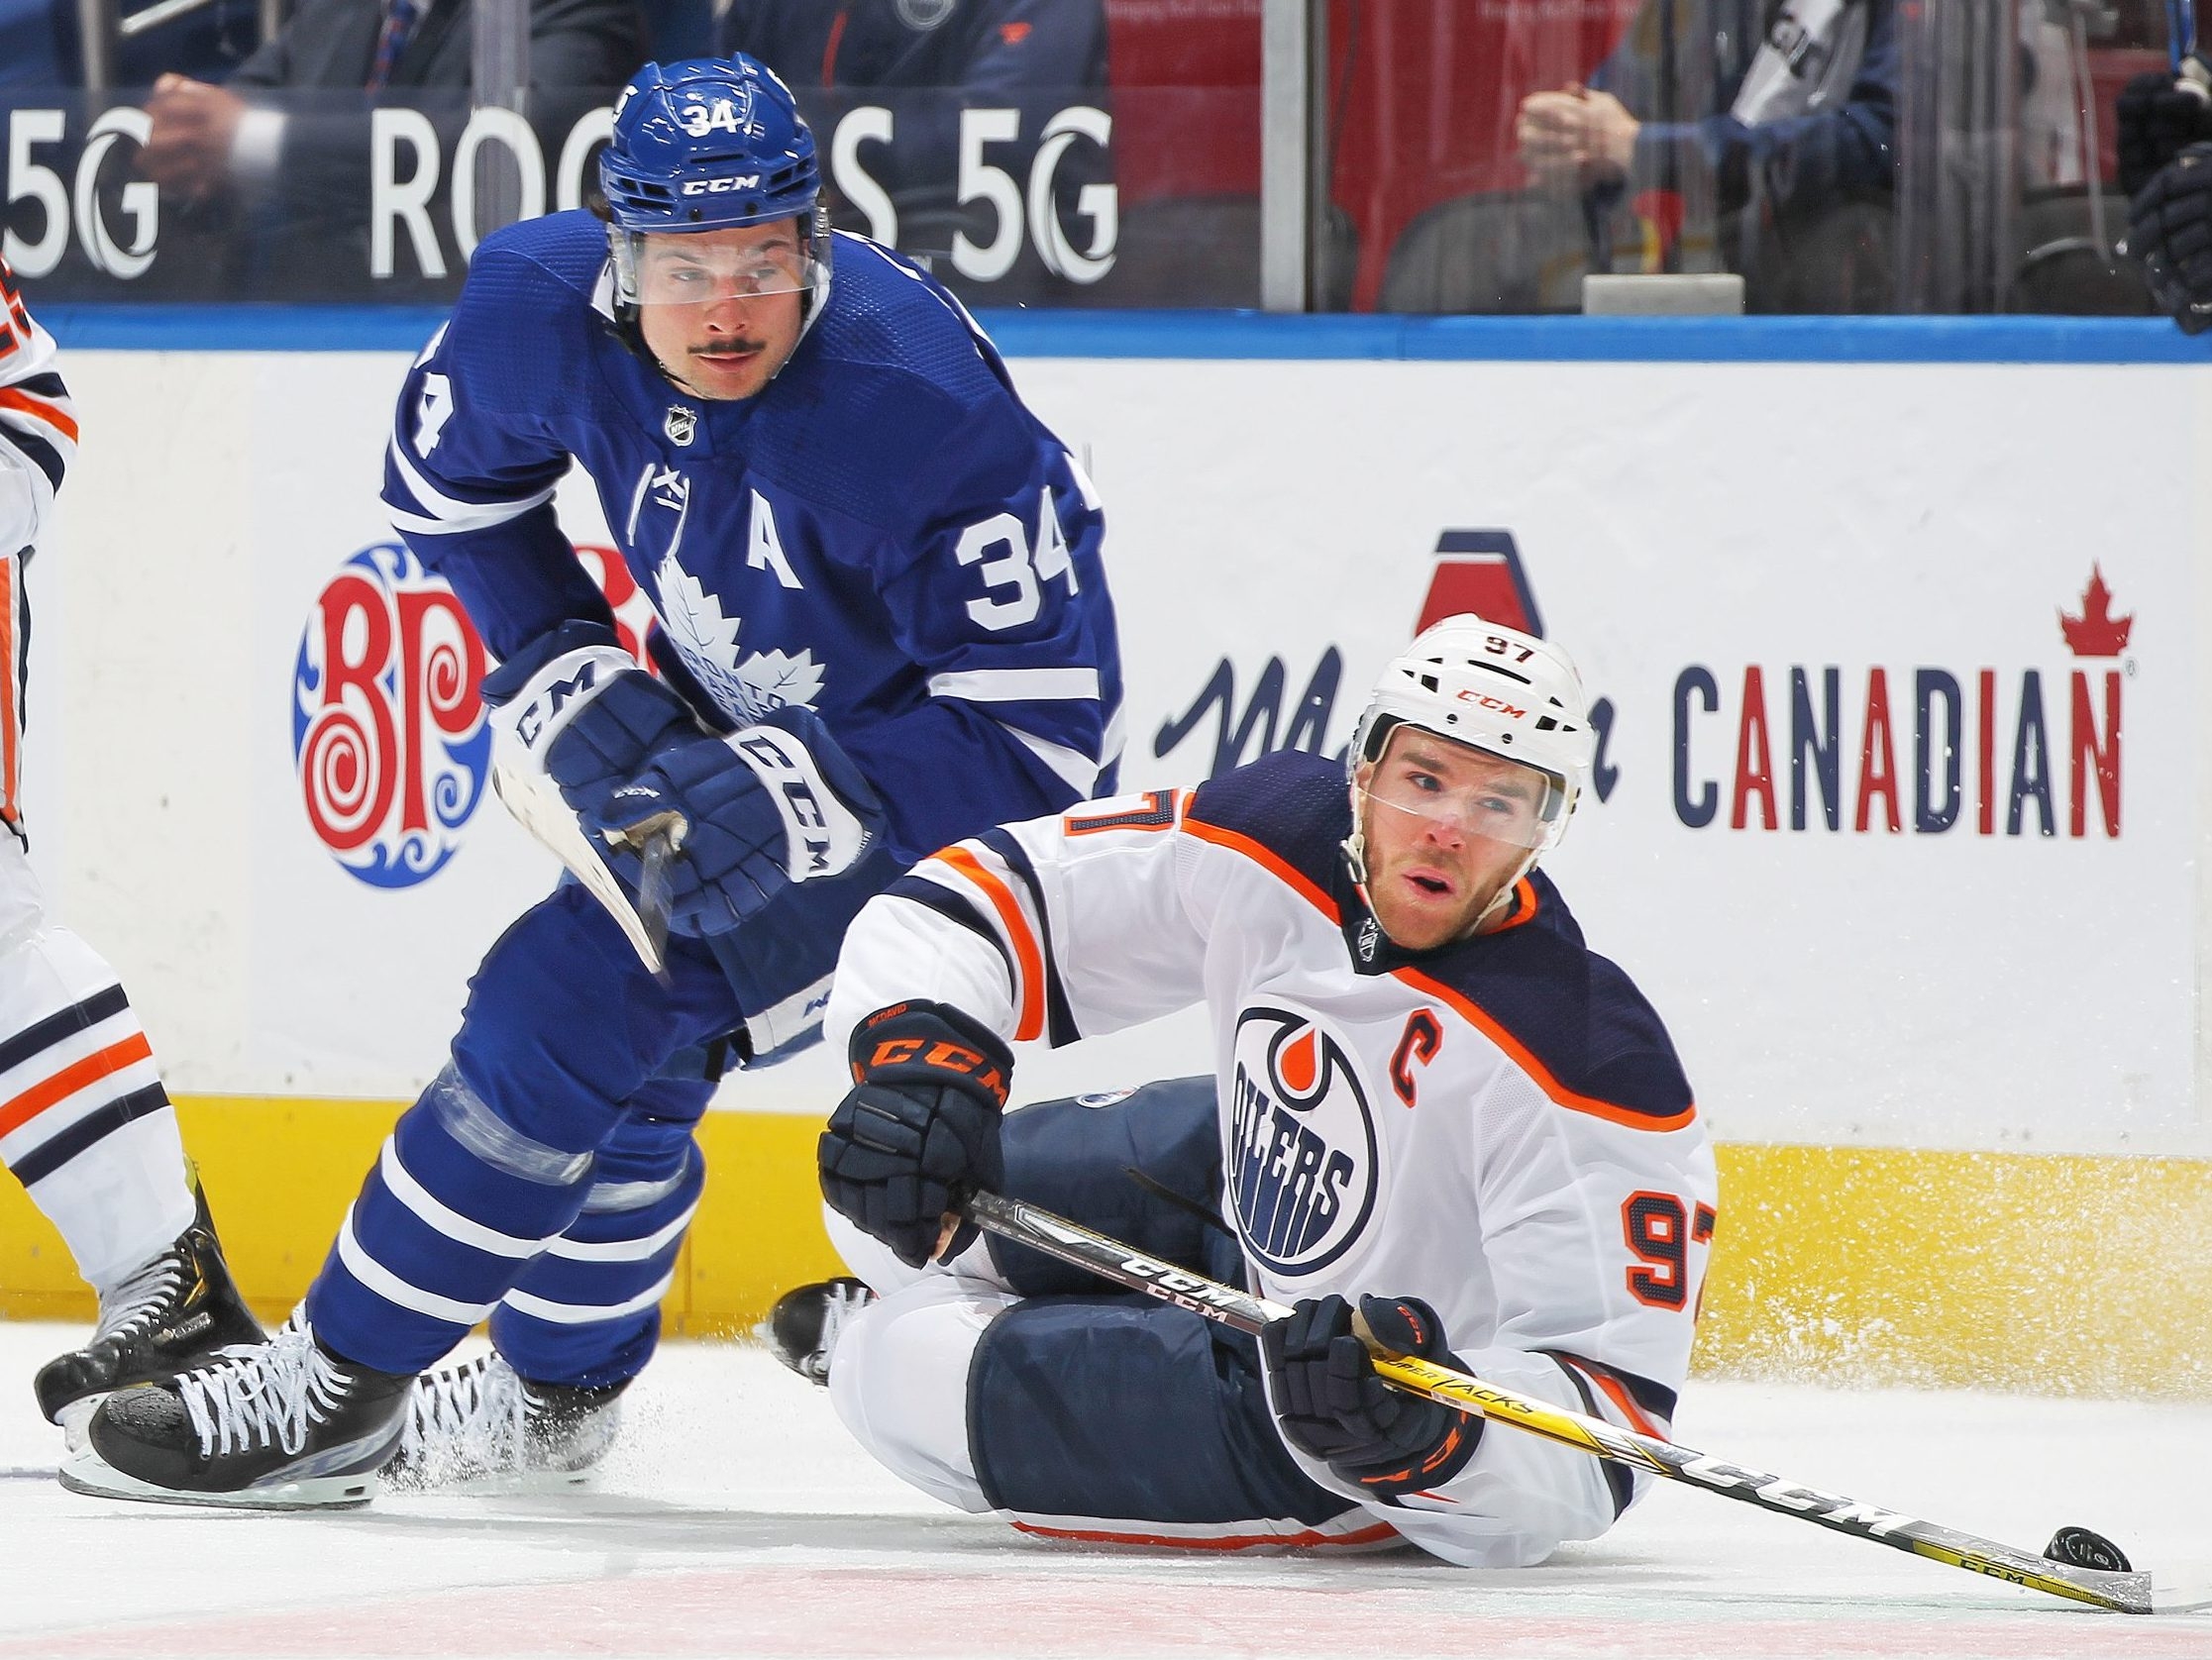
{"points": [[752, 812], [920, 1132], [2169, 230], [575, 710], [2159, 114], [1330, 1404]]}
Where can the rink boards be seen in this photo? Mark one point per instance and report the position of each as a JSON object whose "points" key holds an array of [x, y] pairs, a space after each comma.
{"points": [[1896, 818]]}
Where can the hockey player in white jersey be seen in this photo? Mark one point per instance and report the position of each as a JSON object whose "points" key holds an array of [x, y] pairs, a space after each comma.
{"points": [[84, 1122], [1434, 1108]]}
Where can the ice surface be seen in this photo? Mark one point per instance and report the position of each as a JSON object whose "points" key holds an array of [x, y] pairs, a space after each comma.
{"points": [[737, 1518]]}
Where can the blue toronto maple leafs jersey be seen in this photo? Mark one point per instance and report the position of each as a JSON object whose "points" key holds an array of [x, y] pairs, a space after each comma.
{"points": [[884, 534]]}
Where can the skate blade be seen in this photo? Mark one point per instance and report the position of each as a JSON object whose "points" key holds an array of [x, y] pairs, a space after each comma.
{"points": [[506, 1484], [88, 1473], [75, 1420]]}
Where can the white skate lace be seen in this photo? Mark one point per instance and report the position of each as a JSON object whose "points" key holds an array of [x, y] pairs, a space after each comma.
{"points": [[263, 1393], [134, 1305], [464, 1419]]}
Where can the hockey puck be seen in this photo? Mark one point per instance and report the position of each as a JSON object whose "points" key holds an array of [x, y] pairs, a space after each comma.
{"points": [[2077, 1547]]}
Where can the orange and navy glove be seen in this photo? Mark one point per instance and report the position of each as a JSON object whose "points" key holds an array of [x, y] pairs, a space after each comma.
{"points": [[919, 1131], [1332, 1405]]}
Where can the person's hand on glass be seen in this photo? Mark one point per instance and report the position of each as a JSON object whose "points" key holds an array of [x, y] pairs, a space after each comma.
{"points": [[1575, 138], [188, 150]]}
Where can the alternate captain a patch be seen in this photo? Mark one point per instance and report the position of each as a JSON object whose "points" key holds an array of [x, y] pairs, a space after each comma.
{"points": [[1304, 1163]]}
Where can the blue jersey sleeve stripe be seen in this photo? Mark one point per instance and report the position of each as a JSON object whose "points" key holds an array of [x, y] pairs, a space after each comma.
{"points": [[38, 452], [1017, 686], [953, 907], [1060, 1026], [444, 515], [1620, 1481]]}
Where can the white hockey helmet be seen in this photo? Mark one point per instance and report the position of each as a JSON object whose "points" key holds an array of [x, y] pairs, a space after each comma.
{"points": [[1496, 690]]}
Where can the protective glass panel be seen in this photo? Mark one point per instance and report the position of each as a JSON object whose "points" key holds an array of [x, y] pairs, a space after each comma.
{"points": [[1835, 155]]}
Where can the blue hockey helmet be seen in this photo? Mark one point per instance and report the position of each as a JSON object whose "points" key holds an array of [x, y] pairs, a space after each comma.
{"points": [[706, 143], [711, 144]]}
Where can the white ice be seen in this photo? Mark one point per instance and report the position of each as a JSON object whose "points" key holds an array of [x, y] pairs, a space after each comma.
{"points": [[736, 1518]]}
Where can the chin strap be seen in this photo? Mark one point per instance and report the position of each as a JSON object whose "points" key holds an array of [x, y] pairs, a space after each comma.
{"points": [[1354, 849]]}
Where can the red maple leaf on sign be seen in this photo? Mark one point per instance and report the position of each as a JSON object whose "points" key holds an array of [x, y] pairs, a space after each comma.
{"points": [[2096, 632]]}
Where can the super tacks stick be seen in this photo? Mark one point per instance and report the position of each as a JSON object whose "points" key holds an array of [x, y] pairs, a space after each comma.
{"points": [[2081, 1566]]}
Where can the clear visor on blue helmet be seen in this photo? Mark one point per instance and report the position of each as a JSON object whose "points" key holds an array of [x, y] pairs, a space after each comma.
{"points": [[699, 268]]}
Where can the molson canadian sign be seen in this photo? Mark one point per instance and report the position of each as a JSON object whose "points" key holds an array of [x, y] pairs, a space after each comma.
{"points": [[2031, 748]]}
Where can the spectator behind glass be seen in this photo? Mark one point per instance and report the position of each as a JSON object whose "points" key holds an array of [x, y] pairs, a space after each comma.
{"points": [[40, 45], [1770, 126], [288, 139], [925, 60]]}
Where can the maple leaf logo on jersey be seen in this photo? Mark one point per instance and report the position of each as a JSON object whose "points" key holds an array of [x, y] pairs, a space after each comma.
{"points": [[2096, 632], [707, 640]]}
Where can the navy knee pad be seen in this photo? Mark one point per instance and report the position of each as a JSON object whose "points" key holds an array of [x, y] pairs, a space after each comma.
{"points": [[1075, 1158], [1122, 1410]]}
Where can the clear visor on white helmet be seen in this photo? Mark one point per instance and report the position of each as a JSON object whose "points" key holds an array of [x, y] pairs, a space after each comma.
{"points": [[695, 267], [1454, 787]]}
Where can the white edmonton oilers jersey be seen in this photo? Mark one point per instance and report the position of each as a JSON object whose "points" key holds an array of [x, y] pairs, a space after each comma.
{"points": [[38, 424], [1500, 1126]]}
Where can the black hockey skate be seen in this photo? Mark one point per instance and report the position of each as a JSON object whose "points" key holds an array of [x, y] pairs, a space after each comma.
{"points": [[175, 1313], [278, 1425], [481, 1425], [801, 1330]]}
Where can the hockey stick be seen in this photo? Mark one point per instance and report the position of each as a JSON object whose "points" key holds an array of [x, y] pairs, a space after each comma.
{"points": [[2122, 1590], [538, 807]]}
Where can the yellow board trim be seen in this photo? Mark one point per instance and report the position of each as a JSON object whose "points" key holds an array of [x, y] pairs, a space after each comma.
{"points": [[2034, 1273]]}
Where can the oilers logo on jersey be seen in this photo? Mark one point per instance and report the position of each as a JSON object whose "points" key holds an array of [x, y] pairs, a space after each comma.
{"points": [[1304, 1163]]}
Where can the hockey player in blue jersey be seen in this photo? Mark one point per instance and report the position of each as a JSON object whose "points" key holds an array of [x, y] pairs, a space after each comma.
{"points": [[1435, 1110], [883, 625]]}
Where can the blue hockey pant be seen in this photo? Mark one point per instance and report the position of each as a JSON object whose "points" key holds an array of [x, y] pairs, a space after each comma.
{"points": [[545, 1178]]}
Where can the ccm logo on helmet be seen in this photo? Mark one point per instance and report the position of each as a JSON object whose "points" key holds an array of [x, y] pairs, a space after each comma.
{"points": [[1483, 700], [715, 186]]}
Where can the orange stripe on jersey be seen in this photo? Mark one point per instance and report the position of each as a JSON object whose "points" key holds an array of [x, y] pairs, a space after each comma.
{"points": [[1267, 860], [1616, 1391], [72, 1078], [54, 416], [1524, 906], [11, 724], [1228, 1541], [1467, 1009], [1474, 1013], [1024, 942]]}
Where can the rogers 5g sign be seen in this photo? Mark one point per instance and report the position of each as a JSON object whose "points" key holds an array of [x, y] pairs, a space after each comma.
{"points": [[1022, 206], [73, 202]]}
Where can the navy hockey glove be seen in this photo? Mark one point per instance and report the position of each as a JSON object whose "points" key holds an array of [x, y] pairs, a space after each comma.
{"points": [[920, 1132], [2169, 229], [2158, 117], [1332, 1405], [763, 807], [575, 709]]}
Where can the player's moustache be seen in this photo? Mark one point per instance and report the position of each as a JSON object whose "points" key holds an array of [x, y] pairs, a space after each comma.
{"points": [[737, 347]]}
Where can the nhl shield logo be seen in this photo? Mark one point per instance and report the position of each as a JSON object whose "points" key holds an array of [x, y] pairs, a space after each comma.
{"points": [[925, 15], [1370, 938], [682, 424], [1305, 1161]]}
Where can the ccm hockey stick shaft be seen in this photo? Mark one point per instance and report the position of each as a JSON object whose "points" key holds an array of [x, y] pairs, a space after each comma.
{"points": [[2125, 1592]]}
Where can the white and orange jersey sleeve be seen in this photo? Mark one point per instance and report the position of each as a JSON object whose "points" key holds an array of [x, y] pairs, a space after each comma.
{"points": [[1054, 929], [38, 424]]}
